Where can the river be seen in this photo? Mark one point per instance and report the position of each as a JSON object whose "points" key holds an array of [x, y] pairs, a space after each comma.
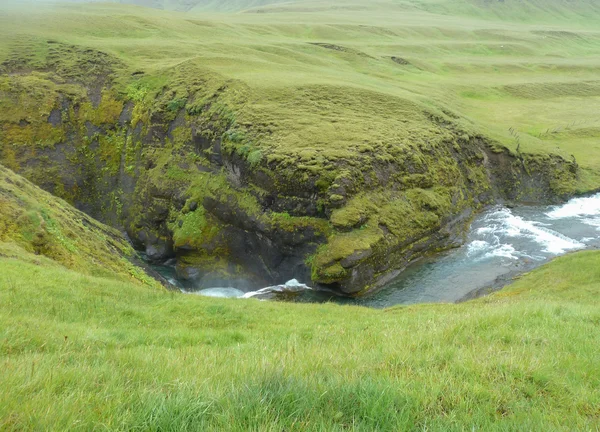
{"points": [[501, 244]]}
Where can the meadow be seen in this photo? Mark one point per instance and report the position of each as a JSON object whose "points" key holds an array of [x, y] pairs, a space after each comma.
{"points": [[89, 342], [85, 353], [315, 79]]}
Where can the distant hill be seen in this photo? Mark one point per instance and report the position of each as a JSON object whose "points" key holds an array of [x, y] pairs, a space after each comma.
{"points": [[518, 10], [513, 10], [176, 5]]}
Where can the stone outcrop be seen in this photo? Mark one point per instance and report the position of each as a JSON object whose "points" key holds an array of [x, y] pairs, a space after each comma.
{"points": [[187, 180]]}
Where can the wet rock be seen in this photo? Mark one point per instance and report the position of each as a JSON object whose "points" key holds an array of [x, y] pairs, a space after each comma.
{"points": [[159, 250], [127, 114], [55, 118], [355, 258]]}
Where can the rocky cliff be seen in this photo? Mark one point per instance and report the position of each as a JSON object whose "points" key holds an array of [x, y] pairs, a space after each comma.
{"points": [[205, 170]]}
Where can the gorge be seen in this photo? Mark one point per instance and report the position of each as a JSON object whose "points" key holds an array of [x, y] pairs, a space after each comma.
{"points": [[501, 244], [192, 176], [414, 184]]}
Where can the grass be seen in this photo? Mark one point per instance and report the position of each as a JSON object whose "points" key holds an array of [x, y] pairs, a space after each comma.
{"points": [[310, 90], [497, 67], [332, 106], [85, 353], [35, 222]]}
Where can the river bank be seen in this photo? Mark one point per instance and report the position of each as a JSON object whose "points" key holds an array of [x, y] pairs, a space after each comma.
{"points": [[502, 243]]}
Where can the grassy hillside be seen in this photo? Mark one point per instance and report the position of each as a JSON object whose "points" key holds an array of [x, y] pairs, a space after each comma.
{"points": [[531, 83], [319, 111], [360, 126], [556, 12], [174, 5], [84, 353], [38, 228]]}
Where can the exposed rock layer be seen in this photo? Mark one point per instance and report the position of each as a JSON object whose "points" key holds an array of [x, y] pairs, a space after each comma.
{"points": [[188, 181]]}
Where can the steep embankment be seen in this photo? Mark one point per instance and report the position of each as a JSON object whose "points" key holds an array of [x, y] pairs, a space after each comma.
{"points": [[260, 160], [38, 228]]}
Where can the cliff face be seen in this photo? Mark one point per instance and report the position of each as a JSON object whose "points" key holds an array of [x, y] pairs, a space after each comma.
{"points": [[207, 171], [39, 228]]}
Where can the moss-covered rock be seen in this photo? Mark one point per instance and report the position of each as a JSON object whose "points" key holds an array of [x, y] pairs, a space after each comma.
{"points": [[34, 221], [194, 167]]}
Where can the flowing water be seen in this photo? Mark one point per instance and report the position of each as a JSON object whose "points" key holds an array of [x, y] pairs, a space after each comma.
{"points": [[501, 243]]}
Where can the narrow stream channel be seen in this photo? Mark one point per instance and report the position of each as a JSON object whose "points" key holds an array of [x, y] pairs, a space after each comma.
{"points": [[501, 244]]}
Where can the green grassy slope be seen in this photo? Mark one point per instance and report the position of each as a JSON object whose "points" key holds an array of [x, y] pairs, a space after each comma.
{"points": [[34, 222], [79, 351], [531, 11], [533, 83], [84, 353], [173, 5], [320, 98]]}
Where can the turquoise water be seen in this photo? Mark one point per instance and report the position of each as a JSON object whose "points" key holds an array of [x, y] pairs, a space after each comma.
{"points": [[501, 244]]}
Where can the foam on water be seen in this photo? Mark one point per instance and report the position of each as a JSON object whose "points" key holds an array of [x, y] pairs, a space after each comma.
{"points": [[504, 251], [290, 286], [481, 249], [173, 281], [220, 292], [593, 222], [476, 247], [577, 207], [552, 241], [485, 230], [503, 233]]}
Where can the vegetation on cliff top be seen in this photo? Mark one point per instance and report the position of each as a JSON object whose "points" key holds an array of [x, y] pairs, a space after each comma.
{"points": [[330, 83]]}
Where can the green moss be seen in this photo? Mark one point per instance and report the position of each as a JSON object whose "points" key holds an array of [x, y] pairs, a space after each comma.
{"points": [[254, 158], [342, 245], [293, 223], [351, 215], [176, 104], [407, 216], [107, 112], [110, 150], [9, 156], [330, 274], [39, 223], [195, 231], [200, 260]]}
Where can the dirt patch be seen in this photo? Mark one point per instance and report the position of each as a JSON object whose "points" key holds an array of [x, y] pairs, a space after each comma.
{"points": [[400, 60], [341, 49], [55, 117]]}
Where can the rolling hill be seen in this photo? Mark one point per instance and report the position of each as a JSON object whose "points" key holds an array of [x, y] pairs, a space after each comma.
{"points": [[257, 141]]}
